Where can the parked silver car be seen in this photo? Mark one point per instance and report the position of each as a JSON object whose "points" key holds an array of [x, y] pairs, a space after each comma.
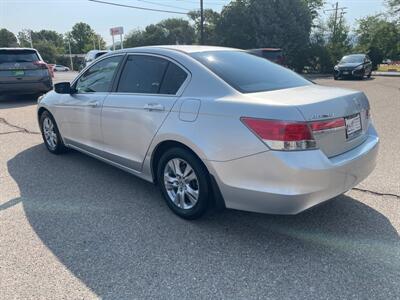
{"points": [[214, 125]]}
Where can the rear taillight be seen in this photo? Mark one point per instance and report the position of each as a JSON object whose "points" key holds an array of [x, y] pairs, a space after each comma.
{"points": [[282, 135], [327, 124], [40, 64]]}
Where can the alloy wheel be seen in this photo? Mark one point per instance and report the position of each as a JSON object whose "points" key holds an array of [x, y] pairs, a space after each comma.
{"points": [[49, 132], [181, 183]]}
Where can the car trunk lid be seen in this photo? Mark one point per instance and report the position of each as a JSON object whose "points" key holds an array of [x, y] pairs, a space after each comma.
{"points": [[318, 103]]}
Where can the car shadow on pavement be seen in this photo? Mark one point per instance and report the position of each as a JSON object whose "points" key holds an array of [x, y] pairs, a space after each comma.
{"points": [[114, 232], [17, 101]]}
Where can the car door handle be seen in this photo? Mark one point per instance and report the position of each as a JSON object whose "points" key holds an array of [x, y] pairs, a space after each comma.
{"points": [[154, 106], [94, 103]]}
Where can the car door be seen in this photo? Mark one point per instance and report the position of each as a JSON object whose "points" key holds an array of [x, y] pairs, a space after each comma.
{"points": [[148, 87], [80, 111]]}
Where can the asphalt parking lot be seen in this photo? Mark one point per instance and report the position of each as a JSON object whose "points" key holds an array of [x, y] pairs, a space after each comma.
{"points": [[75, 228]]}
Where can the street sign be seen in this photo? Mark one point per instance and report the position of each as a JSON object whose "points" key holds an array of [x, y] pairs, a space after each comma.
{"points": [[117, 30]]}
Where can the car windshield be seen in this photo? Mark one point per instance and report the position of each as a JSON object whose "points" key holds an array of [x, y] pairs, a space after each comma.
{"points": [[12, 56], [352, 59], [248, 73]]}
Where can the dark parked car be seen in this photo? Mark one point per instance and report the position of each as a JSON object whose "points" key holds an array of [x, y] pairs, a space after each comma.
{"points": [[353, 65], [273, 54], [23, 72]]}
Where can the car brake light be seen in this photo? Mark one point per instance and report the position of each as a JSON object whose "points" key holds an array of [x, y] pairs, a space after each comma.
{"points": [[327, 124], [282, 135], [40, 64]]}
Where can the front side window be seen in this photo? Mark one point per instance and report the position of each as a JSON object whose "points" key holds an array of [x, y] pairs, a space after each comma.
{"points": [[146, 74], [99, 77], [248, 73]]}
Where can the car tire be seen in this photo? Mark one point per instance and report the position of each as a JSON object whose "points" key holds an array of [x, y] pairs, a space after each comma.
{"points": [[50, 134], [180, 189]]}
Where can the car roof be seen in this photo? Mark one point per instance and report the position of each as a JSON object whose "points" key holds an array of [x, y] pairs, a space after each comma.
{"points": [[356, 54], [17, 48], [267, 49], [181, 48]]}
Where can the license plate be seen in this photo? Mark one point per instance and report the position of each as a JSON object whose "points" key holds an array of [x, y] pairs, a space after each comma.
{"points": [[19, 73], [353, 125], [345, 72]]}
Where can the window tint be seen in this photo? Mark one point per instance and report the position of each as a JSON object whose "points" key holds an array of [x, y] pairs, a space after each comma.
{"points": [[142, 74], [13, 56], [98, 78], [173, 79], [249, 73]]}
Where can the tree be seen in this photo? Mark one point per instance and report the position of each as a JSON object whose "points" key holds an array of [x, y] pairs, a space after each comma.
{"points": [[169, 31], [378, 37], [211, 19], [283, 24], [338, 37], [82, 38], [319, 59], [233, 28], [7, 38], [178, 31], [314, 6], [47, 50], [394, 6]]}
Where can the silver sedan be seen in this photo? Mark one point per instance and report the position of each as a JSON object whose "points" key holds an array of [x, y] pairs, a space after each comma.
{"points": [[214, 127]]}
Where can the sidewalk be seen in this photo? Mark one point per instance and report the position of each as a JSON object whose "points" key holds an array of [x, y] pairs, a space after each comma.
{"points": [[377, 73]]}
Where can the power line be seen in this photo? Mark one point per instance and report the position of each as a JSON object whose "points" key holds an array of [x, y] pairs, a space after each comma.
{"points": [[165, 5], [138, 7]]}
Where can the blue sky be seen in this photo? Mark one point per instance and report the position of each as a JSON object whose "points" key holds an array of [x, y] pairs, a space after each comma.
{"points": [[61, 15]]}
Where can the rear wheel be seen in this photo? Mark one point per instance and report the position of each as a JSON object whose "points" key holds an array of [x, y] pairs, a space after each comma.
{"points": [[50, 134], [184, 183]]}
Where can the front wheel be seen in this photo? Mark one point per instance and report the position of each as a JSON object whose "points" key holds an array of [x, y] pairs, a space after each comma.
{"points": [[50, 134], [184, 183]]}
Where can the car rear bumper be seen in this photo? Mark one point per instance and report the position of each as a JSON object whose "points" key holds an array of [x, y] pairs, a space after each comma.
{"points": [[290, 182], [20, 88]]}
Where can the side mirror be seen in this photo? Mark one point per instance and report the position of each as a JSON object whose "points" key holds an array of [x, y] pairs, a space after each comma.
{"points": [[63, 88]]}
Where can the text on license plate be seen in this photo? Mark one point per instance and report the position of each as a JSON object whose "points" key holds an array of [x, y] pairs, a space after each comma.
{"points": [[353, 125]]}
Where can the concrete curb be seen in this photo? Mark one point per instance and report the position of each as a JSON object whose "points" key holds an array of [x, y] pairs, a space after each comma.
{"points": [[391, 74]]}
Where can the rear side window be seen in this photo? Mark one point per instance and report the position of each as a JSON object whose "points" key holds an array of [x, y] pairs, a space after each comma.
{"points": [[248, 73], [142, 74], [99, 77], [173, 80], [16, 56]]}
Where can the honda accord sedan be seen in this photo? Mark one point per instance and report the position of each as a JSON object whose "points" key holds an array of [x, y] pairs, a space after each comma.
{"points": [[214, 127]]}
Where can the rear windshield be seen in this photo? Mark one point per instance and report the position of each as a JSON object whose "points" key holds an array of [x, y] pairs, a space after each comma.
{"points": [[272, 55], [353, 59], [248, 73], [11, 56]]}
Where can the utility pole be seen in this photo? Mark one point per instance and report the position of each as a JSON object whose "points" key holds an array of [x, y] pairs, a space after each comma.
{"points": [[335, 25], [30, 37], [201, 22], [70, 55]]}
